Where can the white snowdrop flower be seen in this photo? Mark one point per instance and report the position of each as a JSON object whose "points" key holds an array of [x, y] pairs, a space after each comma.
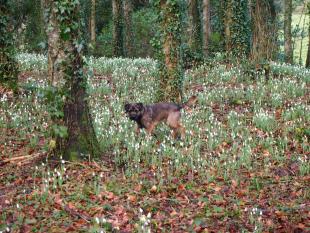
{"points": [[7, 229], [149, 215], [17, 205], [63, 161], [140, 210], [103, 220], [97, 220]]}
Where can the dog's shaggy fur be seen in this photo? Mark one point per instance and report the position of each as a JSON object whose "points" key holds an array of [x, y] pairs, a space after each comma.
{"points": [[148, 116]]}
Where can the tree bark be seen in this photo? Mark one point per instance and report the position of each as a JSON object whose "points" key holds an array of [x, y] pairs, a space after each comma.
{"points": [[81, 139], [228, 24], [128, 34], [308, 53], [288, 49], [264, 31], [93, 23], [118, 49], [171, 68], [195, 35], [206, 26], [8, 64], [55, 52]]}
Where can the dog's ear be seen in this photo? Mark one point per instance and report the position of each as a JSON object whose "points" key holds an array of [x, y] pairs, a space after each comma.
{"points": [[140, 106], [127, 106]]}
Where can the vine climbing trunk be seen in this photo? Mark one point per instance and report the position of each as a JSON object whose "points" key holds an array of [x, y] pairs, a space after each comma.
{"points": [[118, 49], [8, 64], [93, 23], [206, 26], [55, 51], [237, 28], [264, 30], [288, 48], [195, 35], [171, 70], [128, 33], [81, 139], [308, 53]]}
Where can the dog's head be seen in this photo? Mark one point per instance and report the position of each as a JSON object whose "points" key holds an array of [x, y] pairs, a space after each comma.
{"points": [[134, 111]]}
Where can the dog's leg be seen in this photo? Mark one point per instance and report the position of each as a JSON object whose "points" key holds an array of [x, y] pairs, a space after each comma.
{"points": [[150, 128], [137, 130], [173, 122]]}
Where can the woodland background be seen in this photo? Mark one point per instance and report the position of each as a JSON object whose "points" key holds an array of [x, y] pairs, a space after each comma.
{"points": [[69, 157]]}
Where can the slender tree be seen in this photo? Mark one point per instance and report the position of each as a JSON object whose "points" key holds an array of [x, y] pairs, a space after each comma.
{"points": [[308, 53], [195, 35], [81, 138], [8, 65], [264, 30], [118, 49], [93, 23], [128, 33], [171, 71], [288, 49], [206, 26]]}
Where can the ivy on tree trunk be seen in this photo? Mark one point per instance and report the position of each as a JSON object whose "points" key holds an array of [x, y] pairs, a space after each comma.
{"points": [[264, 30], [168, 50], [81, 139], [237, 28], [288, 48], [308, 53], [118, 48], [195, 34], [8, 64]]}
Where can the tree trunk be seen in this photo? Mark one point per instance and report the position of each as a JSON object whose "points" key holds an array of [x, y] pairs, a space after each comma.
{"points": [[288, 50], [8, 64], [93, 23], [228, 24], [206, 26], [171, 71], [81, 139], [237, 28], [308, 53], [264, 31], [55, 52], [128, 35], [195, 34], [118, 49]]}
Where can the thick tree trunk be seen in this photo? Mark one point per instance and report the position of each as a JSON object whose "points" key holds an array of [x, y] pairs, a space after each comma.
{"points": [[171, 67], [195, 35], [288, 49], [93, 23], [264, 31], [8, 64], [236, 28], [118, 49], [55, 52], [81, 140], [206, 26], [128, 35]]}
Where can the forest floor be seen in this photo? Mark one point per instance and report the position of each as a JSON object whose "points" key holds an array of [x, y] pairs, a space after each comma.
{"points": [[42, 194]]}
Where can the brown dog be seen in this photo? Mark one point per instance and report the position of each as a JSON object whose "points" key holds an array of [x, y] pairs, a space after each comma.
{"points": [[148, 116]]}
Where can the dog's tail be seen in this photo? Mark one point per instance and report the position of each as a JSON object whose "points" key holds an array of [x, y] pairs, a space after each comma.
{"points": [[190, 102]]}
